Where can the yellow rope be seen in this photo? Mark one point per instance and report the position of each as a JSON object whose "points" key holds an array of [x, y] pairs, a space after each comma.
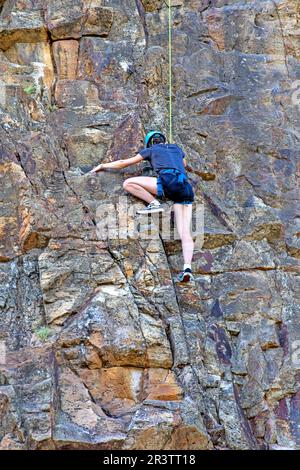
{"points": [[170, 75]]}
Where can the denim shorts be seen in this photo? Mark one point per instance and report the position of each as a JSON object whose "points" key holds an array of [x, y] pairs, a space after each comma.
{"points": [[179, 193]]}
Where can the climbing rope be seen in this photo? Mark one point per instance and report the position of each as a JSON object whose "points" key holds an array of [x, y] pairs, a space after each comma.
{"points": [[170, 75]]}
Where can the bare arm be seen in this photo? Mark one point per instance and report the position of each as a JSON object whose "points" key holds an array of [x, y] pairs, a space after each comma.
{"points": [[191, 170], [189, 167], [204, 175], [118, 164]]}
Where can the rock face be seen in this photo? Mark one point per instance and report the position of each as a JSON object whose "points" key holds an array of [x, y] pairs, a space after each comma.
{"points": [[99, 347]]}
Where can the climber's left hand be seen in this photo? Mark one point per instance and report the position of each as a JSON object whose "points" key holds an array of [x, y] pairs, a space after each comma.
{"points": [[96, 169]]}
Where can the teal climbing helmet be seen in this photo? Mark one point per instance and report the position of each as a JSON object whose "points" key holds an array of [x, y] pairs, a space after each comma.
{"points": [[150, 135]]}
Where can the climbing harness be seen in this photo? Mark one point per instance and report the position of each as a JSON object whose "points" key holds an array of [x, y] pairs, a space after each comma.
{"points": [[170, 76]]}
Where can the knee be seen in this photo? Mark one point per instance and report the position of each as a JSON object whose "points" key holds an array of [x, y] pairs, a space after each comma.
{"points": [[126, 184]]}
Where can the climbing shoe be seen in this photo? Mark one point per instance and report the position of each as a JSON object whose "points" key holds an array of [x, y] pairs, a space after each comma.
{"points": [[185, 276], [151, 209]]}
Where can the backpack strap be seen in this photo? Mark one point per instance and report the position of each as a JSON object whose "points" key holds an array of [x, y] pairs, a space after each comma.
{"points": [[160, 190], [181, 177]]}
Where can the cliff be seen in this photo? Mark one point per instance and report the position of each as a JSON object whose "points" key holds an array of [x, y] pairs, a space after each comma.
{"points": [[99, 346]]}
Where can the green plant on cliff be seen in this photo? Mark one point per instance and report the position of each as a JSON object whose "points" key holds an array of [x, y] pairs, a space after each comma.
{"points": [[43, 333], [52, 108], [30, 90]]}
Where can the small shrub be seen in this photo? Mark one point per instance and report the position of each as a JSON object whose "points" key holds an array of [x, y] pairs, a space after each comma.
{"points": [[43, 333], [53, 108], [30, 90]]}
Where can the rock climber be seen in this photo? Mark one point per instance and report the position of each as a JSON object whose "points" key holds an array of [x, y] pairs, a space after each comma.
{"points": [[168, 162]]}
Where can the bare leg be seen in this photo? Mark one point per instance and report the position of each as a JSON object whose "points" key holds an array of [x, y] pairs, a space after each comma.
{"points": [[143, 187], [183, 217]]}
